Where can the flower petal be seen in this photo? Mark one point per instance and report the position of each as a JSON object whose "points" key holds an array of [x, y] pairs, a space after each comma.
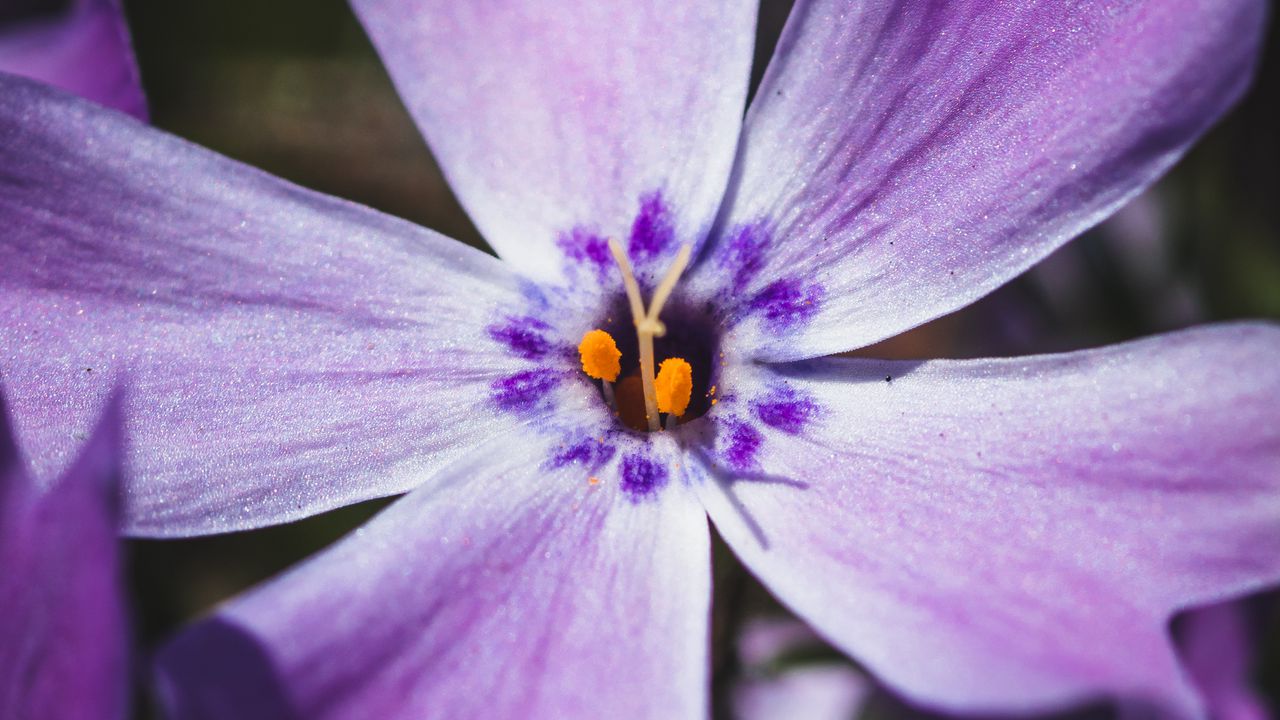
{"points": [[1006, 535], [815, 691], [1218, 649], [556, 124], [63, 638], [84, 50], [285, 352], [509, 589], [903, 159], [782, 680]]}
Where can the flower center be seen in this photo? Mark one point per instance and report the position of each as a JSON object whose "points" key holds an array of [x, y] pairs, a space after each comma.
{"points": [[655, 374]]}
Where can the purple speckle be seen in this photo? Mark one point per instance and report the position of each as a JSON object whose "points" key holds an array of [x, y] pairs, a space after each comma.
{"points": [[585, 247], [524, 390], [785, 409], [588, 452], [523, 336], [742, 254], [642, 477], [652, 233], [786, 303], [741, 443]]}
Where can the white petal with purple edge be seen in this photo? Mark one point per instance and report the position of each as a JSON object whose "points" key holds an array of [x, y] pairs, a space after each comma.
{"points": [[513, 587], [556, 124], [1010, 535], [904, 158], [284, 352]]}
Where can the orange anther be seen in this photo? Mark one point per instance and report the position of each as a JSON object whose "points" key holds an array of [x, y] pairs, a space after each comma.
{"points": [[674, 386], [600, 355]]}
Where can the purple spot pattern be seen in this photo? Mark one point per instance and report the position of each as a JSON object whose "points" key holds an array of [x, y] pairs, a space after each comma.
{"points": [[523, 336], [742, 254], [589, 452], [585, 247], [652, 233], [785, 409], [785, 303], [525, 390], [642, 478], [741, 443]]}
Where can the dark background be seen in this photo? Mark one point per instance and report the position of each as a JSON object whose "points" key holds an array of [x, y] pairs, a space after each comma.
{"points": [[294, 87]]}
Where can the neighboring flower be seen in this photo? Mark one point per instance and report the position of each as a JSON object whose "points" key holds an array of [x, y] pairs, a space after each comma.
{"points": [[780, 683], [1003, 535], [81, 46], [63, 652], [1218, 647]]}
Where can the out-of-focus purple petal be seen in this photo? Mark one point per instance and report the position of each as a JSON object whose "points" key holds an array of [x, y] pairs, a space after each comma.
{"points": [[284, 352], [556, 123], [778, 688], [908, 157], [827, 691], [1011, 535], [506, 589], [84, 50], [63, 647], [1217, 650]]}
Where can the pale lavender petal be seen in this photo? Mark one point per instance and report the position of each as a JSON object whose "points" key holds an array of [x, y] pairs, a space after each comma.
{"points": [[514, 587], [827, 691], [63, 637], [285, 352], [775, 687], [903, 158], [85, 50], [1218, 650], [557, 124], [1009, 535]]}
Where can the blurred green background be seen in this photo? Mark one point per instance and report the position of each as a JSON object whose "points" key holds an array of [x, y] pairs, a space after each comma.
{"points": [[294, 87]]}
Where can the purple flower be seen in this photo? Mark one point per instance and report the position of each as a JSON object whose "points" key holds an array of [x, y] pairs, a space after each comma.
{"points": [[63, 652], [82, 47], [1002, 535]]}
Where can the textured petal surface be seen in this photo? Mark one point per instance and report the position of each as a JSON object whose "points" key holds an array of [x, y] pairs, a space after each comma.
{"points": [[1007, 535], [63, 652], [556, 124], [905, 157], [84, 50], [285, 352], [510, 588]]}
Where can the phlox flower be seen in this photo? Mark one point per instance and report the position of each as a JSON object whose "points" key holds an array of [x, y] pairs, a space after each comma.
{"points": [[987, 535]]}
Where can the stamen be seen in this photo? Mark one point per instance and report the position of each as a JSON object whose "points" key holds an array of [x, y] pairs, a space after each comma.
{"points": [[631, 402], [601, 360], [648, 325], [643, 334], [674, 386]]}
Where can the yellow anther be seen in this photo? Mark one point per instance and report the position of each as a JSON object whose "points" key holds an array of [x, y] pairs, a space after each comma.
{"points": [[674, 386], [600, 355]]}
